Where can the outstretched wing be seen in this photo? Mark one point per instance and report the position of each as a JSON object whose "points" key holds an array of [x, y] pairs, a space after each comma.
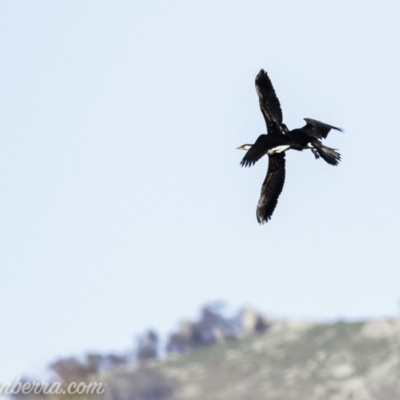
{"points": [[256, 151], [318, 129], [271, 188], [269, 103]]}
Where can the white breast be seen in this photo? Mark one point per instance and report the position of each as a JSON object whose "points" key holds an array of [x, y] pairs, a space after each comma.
{"points": [[278, 149]]}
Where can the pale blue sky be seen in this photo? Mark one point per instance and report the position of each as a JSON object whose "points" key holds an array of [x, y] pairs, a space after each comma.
{"points": [[122, 203]]}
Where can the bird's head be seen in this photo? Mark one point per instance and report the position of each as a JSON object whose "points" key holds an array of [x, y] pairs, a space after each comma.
{"points": [[244, 147]]}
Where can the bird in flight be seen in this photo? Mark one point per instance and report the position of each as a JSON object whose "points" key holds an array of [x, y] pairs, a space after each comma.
{"points": [[278, 140], [308, 137]]}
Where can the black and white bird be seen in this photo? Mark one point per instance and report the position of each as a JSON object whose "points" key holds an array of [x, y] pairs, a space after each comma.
{"points": [[308, 137], [278, 140], [274, 144]]}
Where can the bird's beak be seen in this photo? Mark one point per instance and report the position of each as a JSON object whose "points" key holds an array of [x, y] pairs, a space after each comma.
{"points": [[240, 148]]}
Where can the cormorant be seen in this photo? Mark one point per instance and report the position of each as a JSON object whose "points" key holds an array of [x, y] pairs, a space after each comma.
{"points": [[274, 144], [279, 139], [308, 137]]}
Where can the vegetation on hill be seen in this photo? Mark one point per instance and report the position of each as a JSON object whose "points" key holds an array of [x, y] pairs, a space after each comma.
{"points": [[249, 357]]}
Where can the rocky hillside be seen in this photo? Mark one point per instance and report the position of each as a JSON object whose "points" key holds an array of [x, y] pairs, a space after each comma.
{"points": [[292, 360], [289, 361]]}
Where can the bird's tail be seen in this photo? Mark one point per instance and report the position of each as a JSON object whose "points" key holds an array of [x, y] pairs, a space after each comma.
{"points": [[331, 156]]}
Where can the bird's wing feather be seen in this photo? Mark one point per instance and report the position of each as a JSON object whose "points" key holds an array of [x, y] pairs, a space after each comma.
{"points": [[256, 151], [271, 188], [269, 103], [319, 129]]}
